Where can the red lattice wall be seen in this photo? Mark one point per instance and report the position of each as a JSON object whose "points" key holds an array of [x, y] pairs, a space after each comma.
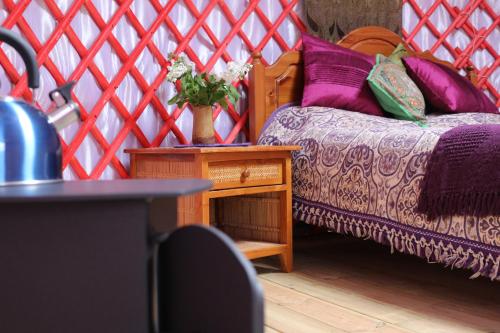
{"points": [[109, 148]]}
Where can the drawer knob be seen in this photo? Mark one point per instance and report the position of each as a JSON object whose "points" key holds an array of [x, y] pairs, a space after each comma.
{"points": [[245, 174]]}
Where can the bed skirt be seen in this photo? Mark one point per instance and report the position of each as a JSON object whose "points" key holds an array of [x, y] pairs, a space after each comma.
{"points": [[454, 252]]}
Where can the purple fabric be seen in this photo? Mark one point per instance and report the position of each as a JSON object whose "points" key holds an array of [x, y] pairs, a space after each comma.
{"points": [[433, 246], [445, 90], [336, 77], [463, 173], [275, 112], [235, 144]]}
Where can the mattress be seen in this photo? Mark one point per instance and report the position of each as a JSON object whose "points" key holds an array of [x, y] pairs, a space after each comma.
{"points": [[361, 174]]}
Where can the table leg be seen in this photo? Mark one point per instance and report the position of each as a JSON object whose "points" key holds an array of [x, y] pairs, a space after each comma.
{"points": [[286, 258]]}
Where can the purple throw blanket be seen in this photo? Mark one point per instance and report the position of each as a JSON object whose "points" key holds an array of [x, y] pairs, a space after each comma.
{"points": [[463, 173]]}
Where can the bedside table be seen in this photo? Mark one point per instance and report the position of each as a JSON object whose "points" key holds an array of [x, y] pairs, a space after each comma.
{"points": [[251, 197]]}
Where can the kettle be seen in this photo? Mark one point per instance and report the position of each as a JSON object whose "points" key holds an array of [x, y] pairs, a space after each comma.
{"points": [[30, 149]]}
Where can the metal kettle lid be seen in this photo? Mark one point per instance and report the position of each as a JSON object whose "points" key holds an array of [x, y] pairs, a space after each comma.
{"points": [[26, 52]]}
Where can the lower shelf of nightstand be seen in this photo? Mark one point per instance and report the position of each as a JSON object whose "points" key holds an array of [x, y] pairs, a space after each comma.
{"points": [[256, 249]]}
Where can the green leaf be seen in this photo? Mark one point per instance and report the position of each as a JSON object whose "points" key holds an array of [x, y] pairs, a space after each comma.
{"points": [[173, 100], [203, 97], [200, 81], [223, 104], [232, 90], [220, 94]]}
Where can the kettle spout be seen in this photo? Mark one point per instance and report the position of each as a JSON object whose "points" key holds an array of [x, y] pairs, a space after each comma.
{"points": [[67, 111]]}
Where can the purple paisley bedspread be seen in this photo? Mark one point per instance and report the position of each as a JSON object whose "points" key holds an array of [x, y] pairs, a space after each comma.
{"points": [[361, 174]]}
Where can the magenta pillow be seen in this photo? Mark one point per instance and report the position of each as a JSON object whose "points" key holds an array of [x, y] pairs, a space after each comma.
{"points": [[336, 77], [445, 90]]}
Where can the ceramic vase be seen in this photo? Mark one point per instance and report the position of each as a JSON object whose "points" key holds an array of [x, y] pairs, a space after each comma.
{"points": [[203, 126]]}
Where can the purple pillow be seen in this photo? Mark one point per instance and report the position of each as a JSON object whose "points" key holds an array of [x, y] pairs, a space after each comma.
{"points": [[336, 77], [445, 90]]}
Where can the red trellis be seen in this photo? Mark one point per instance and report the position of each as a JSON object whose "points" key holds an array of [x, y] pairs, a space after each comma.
{"points": [[149, 98]]}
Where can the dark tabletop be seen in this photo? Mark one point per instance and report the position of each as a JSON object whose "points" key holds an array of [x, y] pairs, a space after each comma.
{"points": [[103, 190]]}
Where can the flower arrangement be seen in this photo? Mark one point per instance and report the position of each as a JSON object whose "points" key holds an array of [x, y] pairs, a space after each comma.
{"points": [[203, 91]]}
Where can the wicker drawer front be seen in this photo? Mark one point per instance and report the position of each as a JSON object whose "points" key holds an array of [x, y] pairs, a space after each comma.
{"points": [[232, 174]]}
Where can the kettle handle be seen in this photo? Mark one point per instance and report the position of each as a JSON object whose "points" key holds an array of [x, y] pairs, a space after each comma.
{"points": [[26, 52]]}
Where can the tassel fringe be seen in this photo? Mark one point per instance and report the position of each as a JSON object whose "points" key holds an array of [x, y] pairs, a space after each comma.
{"points": [[434, 251]]}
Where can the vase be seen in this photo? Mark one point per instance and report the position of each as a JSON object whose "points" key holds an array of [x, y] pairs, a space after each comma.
{"points": [[203, 126]]}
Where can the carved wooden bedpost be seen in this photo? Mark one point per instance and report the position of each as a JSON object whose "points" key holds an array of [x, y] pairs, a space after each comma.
{"points": [[257, 100]]}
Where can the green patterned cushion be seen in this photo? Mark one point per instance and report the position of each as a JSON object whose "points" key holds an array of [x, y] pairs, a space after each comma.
{"points": [[395, 91], [399, 52]]}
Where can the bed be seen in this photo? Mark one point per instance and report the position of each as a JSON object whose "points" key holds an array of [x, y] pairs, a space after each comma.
{"points": [[359, 174]]}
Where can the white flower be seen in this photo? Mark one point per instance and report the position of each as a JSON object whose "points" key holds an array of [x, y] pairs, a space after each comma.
{"points": [[187, 62], [178, 68], [235, 71]]}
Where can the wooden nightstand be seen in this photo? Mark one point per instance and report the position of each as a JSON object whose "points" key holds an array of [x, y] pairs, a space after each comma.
{"points": [[251, 197]]}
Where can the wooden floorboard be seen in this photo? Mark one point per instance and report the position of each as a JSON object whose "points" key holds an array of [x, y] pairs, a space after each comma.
{"points": [[342, 284]]}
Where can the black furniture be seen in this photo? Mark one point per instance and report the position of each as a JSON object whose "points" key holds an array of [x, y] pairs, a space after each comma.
{"points": [[74, 255], [206, 285]]}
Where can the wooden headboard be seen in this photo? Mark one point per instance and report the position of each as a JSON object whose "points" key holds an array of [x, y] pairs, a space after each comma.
{"points": [[282, 82]]}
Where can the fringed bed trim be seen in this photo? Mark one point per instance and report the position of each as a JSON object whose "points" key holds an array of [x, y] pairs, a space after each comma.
{"points": [[435, 248]]}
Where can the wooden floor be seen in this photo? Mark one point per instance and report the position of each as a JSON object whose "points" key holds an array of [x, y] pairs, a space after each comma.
{"points": [[343, 284]]}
